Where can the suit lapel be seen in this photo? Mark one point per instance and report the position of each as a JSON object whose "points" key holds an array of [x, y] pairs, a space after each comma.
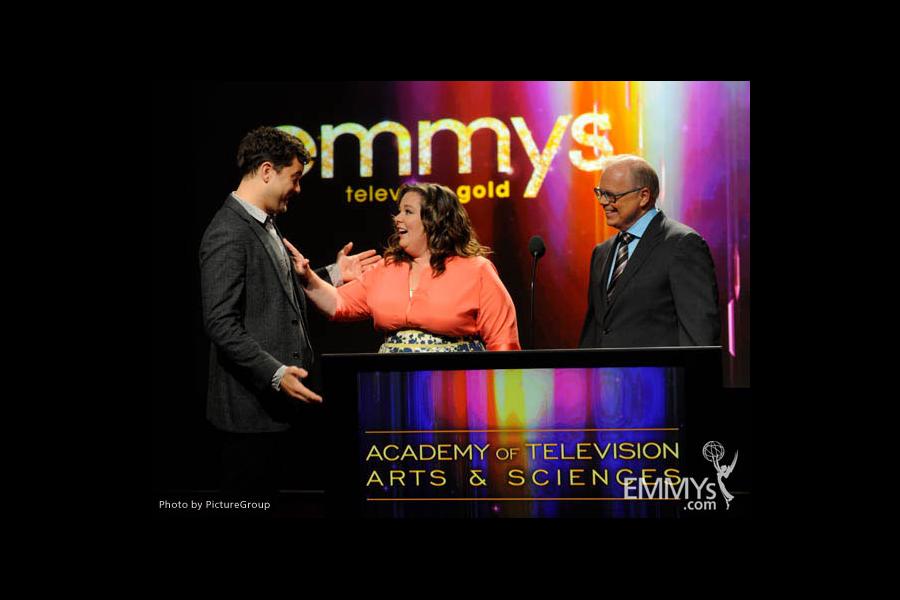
{"points": [[295, 293], [606, 261], [651, 238], [299, 297], [288, 286], [266, 240]]}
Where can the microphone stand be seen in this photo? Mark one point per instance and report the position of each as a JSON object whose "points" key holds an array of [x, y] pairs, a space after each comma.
{"points": [[531, 316]]}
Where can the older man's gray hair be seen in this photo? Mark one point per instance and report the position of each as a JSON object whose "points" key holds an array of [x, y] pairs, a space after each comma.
{"points": [[642, 173]]}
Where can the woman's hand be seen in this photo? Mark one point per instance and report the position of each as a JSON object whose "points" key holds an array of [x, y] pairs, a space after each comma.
{"points": [[353, 266]]}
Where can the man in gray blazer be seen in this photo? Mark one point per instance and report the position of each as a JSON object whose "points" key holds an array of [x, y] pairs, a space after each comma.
{"points": [[254, 311], [654, 284]]}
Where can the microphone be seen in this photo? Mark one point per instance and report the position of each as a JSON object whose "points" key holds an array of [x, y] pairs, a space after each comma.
{"points": [[537, 248]]}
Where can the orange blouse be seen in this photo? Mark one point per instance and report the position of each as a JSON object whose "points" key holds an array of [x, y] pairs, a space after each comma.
{"points": [[467, 299]]}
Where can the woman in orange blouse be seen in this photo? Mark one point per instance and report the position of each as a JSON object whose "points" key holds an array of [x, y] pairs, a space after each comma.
{"points": [[434, 291]]}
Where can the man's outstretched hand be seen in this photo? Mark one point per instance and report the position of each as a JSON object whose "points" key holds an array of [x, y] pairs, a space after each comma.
{"points": [[291, 385]]}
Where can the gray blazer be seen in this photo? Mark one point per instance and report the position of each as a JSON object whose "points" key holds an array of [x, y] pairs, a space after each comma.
{"points": [[256, 321], [666, 296]]}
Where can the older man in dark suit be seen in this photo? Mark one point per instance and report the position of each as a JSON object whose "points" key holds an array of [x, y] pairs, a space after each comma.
{"points": [[254, 311], [654, 284]]}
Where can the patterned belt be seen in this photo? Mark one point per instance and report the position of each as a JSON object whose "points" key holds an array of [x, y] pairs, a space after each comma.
{"points": [[413, 340]]}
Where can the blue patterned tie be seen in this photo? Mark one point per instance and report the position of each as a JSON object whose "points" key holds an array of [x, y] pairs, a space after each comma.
{"points": [[621, 261]]}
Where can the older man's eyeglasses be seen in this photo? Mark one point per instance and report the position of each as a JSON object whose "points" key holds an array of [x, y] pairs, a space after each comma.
{"points": [[610, 197]]}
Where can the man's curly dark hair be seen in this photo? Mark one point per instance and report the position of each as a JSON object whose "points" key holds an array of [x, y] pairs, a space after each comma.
{"points": [[268, 144]]}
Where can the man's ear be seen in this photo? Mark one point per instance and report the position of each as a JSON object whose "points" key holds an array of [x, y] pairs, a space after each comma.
{"points": [[266, 170], [645, 200]]}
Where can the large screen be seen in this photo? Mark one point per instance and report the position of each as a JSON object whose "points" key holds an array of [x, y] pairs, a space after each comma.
{"points": [[523, 156]]}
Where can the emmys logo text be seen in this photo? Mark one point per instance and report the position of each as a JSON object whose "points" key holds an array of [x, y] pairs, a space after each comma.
{"points": [[700, 495]]}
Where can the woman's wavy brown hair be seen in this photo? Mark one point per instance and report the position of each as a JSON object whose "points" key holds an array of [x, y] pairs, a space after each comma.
{"points": [[448, 229]]}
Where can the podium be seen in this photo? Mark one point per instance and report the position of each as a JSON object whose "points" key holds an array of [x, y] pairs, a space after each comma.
{"points": [[605, 433]]}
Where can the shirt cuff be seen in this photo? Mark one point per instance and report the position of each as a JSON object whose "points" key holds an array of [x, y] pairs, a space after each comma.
{"points": [[335, 273], [276, 378]]}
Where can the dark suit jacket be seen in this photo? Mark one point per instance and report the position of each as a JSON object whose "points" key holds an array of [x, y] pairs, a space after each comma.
{"points": [[253, 319], [667, 295]]}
